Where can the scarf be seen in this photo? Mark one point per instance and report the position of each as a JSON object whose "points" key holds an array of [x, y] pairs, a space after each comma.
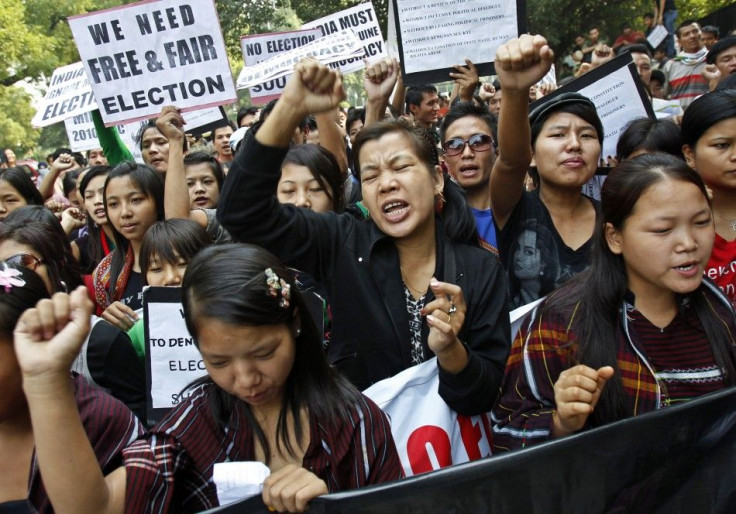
{"points": [[692, 59], [101, 279]]}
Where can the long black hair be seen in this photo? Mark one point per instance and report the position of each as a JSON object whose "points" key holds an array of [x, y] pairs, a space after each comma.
{"points": [[15, 300], [651, 136], [22, 183], [152, 186], [94, 242], [228, 283], [596, 295], [706, 111], [323, 167], [456, 216], [38, 228]]}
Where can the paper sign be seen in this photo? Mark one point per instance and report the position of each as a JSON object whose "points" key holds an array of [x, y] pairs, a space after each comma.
{"points": [[142, 56], [336, 47], [362, 20], [172, 360], [434, 36], [657, 35], [265, 46], [80, 130], [69, 94]]}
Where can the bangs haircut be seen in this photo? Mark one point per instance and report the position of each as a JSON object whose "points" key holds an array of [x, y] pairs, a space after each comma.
{"points": [[171, 240]]}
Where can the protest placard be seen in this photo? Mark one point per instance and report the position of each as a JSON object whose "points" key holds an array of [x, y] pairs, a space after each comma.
{"points": [[69, 94], [262, 47], [618, 94], [80, 129], [362, 20], [336, 47], [142, 56], [172, 360], [433, 36], [657, 35]]}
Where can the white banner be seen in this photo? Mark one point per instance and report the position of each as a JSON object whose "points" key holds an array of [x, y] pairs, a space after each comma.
{"points": [[362, 20], [336, 47], [262, 47], [428, 434], [80, 130], [657, 35], [69, 94], [142, 56]]}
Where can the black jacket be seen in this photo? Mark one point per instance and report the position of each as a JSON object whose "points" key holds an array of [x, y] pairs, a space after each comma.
{"points": [[359, 266]]}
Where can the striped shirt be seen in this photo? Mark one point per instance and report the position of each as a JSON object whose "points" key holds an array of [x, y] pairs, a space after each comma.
{"points": [[172, 470], [656, 367], [110, 427]]}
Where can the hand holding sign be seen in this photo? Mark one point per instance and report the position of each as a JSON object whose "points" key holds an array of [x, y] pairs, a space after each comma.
{"points": [[522, 62], [48, 337], [170, 123], [577, 391]]}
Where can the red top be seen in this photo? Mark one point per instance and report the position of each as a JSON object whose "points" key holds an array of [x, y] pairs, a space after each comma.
{"points": [[721, 267]]}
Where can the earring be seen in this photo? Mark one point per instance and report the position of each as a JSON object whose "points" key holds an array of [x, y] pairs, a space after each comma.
{"points": [[439, 202], [299, 331]]}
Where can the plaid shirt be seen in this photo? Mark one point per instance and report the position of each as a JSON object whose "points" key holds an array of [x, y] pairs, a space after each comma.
{"points": [[172, 470], [545, 347]]}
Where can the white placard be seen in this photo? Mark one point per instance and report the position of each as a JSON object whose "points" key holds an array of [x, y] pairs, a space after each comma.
{"points": [[69, 94], [617, 101], [362, 20], [80, 130], [436, 35], [657, 35], [173, 359], [142, 56], [333, 48], [262, 47]]}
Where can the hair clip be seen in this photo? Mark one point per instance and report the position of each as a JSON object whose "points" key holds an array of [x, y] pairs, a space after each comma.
{"points": [[278, 286], [8, 279]]}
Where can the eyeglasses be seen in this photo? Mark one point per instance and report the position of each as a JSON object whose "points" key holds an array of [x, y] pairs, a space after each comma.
{"points": [[26, 260], [476, 142]]}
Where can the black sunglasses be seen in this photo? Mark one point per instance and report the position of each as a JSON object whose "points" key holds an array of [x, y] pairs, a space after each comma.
{"points": [[26, 260], [476, 142]]}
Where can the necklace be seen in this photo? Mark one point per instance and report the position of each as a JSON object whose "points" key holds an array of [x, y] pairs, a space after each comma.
{"points": [[731, 222], [411, 287]]}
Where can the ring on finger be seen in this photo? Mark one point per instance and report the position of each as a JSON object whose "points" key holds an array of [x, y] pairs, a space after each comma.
{"points": [[452, 310]]}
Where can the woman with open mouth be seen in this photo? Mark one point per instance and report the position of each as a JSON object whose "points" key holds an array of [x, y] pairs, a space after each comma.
{"points": [[409, 282]]}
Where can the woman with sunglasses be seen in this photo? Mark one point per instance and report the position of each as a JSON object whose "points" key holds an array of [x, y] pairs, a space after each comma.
{"points": [[566, 136], [407, 284], [468, 138], [42, 247]]}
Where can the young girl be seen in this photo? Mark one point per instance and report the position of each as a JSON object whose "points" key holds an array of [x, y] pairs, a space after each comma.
{"points": [[270, 397], [566, 136], [167, 249], [639, 330], [709, 145], [107, 423], [204, 180], [16, 190], [311, 177], [99, 240], [133, 198]]}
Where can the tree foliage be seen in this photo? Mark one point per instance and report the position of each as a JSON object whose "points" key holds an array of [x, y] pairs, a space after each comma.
{"points": [[15, 120]]}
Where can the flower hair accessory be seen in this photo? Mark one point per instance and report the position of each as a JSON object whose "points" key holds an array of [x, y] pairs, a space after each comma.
{"points": [[9, 278], [278, 286]]}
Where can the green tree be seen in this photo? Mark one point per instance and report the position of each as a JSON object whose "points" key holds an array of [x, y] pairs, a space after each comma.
{"points": [[15, 120]]}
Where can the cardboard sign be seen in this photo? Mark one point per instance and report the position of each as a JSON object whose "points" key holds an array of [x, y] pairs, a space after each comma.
{"points": [[434, 36], [142, 56], [265, 46], [336, 47], [362, 20], [619, 96], [69, 94], [172, 360]]}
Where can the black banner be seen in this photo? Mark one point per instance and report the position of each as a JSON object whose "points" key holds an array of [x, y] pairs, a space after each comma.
{"points": [[679, 459]]}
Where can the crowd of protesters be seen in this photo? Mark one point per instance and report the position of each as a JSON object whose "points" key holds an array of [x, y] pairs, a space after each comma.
{"points": [[420, 220]]}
